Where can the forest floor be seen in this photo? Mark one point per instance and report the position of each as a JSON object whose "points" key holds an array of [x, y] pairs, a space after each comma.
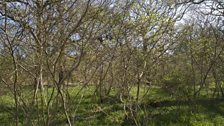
{"points": [[157, 109]]}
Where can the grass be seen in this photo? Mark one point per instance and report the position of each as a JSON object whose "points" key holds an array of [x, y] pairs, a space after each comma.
{"points": [[157, 109]]}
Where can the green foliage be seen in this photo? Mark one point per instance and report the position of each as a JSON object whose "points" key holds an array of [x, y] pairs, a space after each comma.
{"points": [[88, 111], [115, 118], [203, 123], [177, 85], [218, 120]]}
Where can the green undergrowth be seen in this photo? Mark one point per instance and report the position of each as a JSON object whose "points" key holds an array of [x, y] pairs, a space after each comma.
{"points": [[155, 109]]}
